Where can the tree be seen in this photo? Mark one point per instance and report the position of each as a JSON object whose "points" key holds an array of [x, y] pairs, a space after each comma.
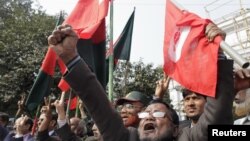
{"points": [[23, 43], [140, 77]]}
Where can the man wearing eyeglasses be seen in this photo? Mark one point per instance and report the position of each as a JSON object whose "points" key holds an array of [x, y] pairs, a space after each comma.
{"points": [[159, 122], [130, 105], [153, 124]]}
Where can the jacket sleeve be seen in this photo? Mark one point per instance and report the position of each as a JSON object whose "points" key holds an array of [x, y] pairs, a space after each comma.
{"points": [[3, 132], [43, 136], [66, 135], [87, 87], [217, 110]]}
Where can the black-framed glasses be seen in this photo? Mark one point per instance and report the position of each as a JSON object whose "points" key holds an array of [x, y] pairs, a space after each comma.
{"points": [[128, 106], [157, 114]]}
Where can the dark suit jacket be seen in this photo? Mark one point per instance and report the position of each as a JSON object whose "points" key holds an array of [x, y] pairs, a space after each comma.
{"points": [[11, 137], [64, 133], [110, 124], [3, 133]]}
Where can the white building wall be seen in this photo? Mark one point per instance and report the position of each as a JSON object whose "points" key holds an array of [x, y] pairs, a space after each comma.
{"points": [[176, 98]]}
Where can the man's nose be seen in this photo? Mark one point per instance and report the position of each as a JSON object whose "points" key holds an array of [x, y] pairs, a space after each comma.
{"points": [[149, 117], [124, 110], [190, 102]]}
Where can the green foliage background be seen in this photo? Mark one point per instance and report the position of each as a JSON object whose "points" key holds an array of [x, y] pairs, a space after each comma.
{"points": [[23, 43], [137, 76]]}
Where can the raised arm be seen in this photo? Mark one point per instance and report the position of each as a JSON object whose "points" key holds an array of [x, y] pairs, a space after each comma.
{"points": [[86, 86], [161, 87]]}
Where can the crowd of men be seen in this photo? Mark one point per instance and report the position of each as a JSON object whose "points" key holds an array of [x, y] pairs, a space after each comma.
{"points": [[136, 117]]}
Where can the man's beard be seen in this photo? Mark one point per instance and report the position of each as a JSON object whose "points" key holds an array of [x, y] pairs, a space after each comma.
{"points": [[242, 109]]}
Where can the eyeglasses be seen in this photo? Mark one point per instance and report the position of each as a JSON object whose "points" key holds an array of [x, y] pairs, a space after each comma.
{"points": [[156, 114], [127, 106]]}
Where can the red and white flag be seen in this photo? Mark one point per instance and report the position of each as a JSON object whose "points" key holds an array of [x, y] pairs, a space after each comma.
{"points": [[189, 58]]}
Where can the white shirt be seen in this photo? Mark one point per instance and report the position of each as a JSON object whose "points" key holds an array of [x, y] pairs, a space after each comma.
{"points": [[243, 121]]}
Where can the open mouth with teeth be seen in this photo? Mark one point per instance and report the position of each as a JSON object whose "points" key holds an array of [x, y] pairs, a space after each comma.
{"points": [[149, 127]]}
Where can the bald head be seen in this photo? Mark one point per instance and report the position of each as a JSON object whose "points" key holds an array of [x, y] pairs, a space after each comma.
{"points": [[78, 126]]}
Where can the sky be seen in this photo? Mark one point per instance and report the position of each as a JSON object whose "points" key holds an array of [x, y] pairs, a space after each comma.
{"points": [[148, 31]]}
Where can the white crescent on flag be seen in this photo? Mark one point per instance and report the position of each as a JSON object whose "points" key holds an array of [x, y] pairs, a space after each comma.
{"points": [[177, 42]]}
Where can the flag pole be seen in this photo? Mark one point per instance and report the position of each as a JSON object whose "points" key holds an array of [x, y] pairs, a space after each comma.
{"points": [[77, 107], [224, 46], [35, 120], [111, 57], [68, 105], [59, 20]]}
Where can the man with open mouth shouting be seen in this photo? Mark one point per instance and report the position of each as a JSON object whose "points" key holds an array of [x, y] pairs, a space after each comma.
{"points": [[158, 122]]}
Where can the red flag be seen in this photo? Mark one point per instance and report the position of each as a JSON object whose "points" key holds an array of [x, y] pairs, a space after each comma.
{"points": [[88, 20], [188, 56]]}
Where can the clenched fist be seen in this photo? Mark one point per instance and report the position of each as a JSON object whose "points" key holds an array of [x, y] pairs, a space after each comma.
{"points": [[63, 41]]}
